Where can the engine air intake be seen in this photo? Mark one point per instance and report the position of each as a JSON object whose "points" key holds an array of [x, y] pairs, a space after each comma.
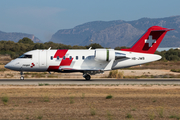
{"points": [[104, 54]]}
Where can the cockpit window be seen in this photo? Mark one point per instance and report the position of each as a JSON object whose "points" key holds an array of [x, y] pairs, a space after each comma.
{"points": [[25, 56]]}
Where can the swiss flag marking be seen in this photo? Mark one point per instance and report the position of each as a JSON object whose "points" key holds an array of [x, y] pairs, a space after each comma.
{"points": [[150, 41]]}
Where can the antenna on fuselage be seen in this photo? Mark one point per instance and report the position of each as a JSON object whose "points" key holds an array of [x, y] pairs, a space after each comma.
{"points": [[49, 48], [90, 48]]}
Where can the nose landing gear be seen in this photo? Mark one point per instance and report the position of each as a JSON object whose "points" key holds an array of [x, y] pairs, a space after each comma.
{"points": [[22, 77]]}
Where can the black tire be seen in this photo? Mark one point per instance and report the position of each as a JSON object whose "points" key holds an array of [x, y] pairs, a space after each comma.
{"points": [[88, 77]]}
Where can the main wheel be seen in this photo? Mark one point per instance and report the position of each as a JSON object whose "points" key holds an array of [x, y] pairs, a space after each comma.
{"points": [[21, 78], [88, 77]]}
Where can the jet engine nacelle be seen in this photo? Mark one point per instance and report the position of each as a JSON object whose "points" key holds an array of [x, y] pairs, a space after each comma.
{"points": [[104, 54]]}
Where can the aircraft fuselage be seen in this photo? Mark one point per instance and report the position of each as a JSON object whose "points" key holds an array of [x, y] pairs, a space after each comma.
{"points": [[77, 60]]}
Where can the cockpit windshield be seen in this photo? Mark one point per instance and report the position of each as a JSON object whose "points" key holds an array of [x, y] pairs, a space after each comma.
{"points": [[25, 56]]}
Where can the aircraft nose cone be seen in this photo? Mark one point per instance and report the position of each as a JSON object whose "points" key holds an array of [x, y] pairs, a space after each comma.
{"points": [[13, 65], [7, 66]]}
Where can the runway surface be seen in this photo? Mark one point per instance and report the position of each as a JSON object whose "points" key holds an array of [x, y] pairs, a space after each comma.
{"points": [[92, 81]]}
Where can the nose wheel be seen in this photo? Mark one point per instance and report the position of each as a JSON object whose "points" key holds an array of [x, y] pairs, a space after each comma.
{"points": [[21, 78]]}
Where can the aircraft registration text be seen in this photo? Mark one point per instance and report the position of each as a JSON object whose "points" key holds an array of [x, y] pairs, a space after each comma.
{"points": [[138, 58]]}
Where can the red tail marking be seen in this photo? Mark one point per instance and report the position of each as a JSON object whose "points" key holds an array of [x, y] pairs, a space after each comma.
{"points": [[150, 41]]}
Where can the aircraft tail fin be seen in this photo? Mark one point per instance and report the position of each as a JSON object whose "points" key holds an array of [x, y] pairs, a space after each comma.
{"points": [[150, 41]]}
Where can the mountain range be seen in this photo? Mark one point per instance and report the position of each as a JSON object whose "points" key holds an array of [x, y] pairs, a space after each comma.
{"points": [[108, 33], [118, 33], [17, 36]]}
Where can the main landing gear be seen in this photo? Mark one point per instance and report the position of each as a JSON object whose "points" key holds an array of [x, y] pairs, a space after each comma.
{"points": [[87, 76], [22, 77]]}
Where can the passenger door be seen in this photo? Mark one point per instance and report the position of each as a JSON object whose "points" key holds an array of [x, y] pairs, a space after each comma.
{"points": [[42, 58]]}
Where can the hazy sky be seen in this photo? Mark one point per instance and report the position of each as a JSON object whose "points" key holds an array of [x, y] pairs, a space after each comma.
{"points": [[45, 17]]}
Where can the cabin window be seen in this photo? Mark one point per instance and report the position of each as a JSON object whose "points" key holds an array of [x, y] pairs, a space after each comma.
{"points": [[51, 57], [64, 57], [57, 57], [83, 57], [76, 57], [25, 56], [70, 57]]}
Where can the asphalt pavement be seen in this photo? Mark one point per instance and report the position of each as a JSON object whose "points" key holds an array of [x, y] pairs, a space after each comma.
{"points": [[92, 81]]}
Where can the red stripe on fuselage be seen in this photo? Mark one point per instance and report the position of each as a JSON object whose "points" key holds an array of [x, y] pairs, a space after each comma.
{"points": [[53, 68], [66, 62], [60, 53]]}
